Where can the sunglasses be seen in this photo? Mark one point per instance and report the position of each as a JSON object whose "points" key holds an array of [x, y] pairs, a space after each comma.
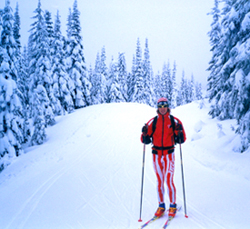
{"points": [[162, 106]]}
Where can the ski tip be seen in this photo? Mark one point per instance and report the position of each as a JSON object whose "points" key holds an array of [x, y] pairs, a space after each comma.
{"points": [[186, 216], [139, 220]]}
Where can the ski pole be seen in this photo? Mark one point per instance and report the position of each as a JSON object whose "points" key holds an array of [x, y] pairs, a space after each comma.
{"points": [[183, 185], [142, 180]]}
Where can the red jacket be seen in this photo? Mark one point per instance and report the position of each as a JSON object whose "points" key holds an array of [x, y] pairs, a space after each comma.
{"points": [[163, 136]]}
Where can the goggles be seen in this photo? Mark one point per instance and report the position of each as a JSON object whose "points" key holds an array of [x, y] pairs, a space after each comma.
{"points": [[162, 104]]}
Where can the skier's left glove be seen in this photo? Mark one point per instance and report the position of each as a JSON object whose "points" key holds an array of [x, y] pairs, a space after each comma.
{"points": [[146, 139]]}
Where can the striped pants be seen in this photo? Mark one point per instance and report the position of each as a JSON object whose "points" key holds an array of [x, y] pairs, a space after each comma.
{"points": [[164, 169]]}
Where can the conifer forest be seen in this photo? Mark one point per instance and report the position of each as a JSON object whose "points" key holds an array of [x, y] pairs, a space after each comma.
{"points": [[48, 76]]}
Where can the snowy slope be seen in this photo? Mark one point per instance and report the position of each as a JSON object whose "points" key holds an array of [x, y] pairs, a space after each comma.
{"points": [[88, 173]]}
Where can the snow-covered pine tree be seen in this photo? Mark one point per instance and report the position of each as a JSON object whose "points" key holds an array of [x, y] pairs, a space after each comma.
{"points": [[230, 73], [94, 79], [104, 76], [11, 116], [98, 81], [23, 83], [22, 74], [191, 89], [49, 26], [131, 82], [114, 91], [158, 86], [86, 88], [11, 120], [16, 27], [39, 113], [179, 98], [198, 91], [1, 24], [75, 57], [174, 89], [167, 83], [90, 78], [60, 77], [214, 64], [229, 37], [182, 92], [241, 74], [122, 76], [69, 25], [147, 77], [40, 73], [7, 39], [138, 90]]}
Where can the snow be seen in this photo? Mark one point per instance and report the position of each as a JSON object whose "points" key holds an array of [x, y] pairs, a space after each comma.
{"points": [[88, 173]]}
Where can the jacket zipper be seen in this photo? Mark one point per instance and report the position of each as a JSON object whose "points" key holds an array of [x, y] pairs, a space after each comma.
{"points": [[162, 134]]}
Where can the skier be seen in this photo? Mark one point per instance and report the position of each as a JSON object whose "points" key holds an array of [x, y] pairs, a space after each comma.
{"points": [[164, 136]]}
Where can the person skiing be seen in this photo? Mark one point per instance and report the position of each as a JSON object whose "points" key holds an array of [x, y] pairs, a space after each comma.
{"points": [[164, 131]]}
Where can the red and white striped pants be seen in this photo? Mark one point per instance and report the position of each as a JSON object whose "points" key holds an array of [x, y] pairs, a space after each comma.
{"points": [[164, 169]]}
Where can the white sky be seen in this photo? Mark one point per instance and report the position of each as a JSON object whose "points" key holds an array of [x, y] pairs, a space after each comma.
{"points": [[176, 29]]}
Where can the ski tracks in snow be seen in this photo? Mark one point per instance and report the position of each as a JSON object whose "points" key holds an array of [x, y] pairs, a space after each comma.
{"points": [[21, 217]]}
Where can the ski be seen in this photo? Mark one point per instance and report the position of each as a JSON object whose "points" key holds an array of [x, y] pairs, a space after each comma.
{"points": [[169, 219], [155, 218], [150, 221], [167, 222]]}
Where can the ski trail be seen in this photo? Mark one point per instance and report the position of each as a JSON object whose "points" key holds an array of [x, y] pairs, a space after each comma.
{"points": [[20, 219], [196, 217], [30, 205]]}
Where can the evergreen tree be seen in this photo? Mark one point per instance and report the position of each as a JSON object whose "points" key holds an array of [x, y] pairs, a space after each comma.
{"points": [[90, 89], [158, 86], [11, 120], [198, 91], [61, 80], [147, 77], [49, 25], [104, 79], [7, 39], [131, 82], [49, 28], [229, 68], [22, 75], [167, 83], [179, 98], [1, 24], [75, 58], [137, 74], [241, 74], [183, 91], [40, 73], [115, 94], [99, 83], [174, 89], [16, 28], [191, 87], [69, 25], [11, 116], [122, 76], [215, 36], [41, 100]]}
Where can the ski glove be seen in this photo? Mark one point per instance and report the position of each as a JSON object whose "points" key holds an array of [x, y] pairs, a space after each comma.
{"points": [[179, 139], [178, 127], [146, 139], [145, 130]]}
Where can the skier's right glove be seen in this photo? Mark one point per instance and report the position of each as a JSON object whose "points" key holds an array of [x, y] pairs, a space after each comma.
{"points": [[144, 130]]}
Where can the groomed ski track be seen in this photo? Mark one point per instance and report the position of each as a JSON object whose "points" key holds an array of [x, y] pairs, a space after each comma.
{"points": [[88, 175]]}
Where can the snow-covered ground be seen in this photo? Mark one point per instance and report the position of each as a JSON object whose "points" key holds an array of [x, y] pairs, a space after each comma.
{"points": [[88, 173]]}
